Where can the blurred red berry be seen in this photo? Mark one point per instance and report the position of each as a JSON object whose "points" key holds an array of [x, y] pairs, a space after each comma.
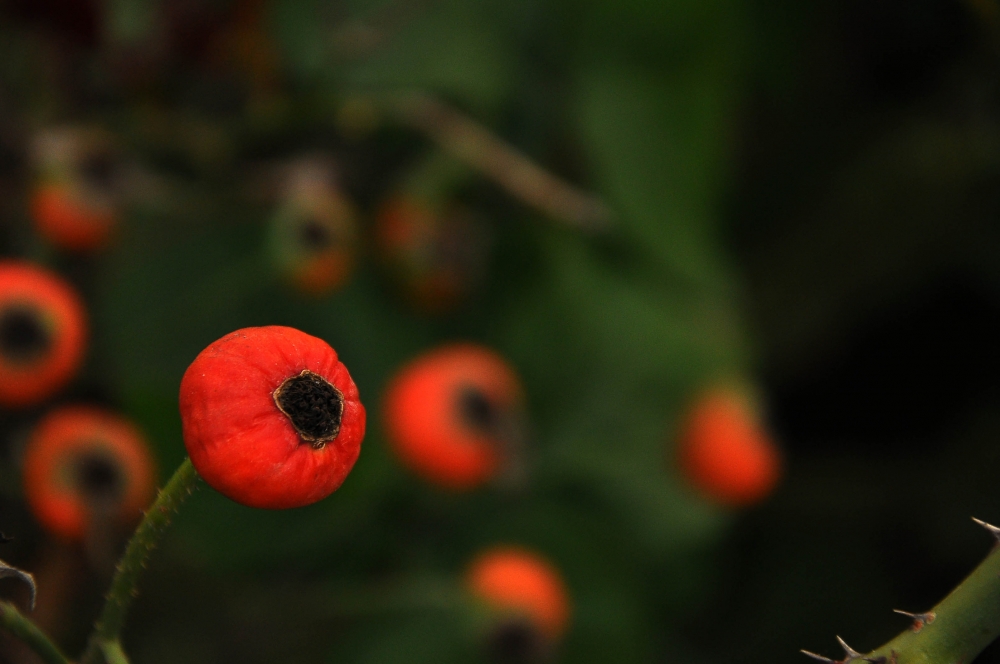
{"points": [[448, 414], [81, 459], [75, 203], [65, 217], [42, 333], [314, 232], [436, 252], [725, 452], [521, 584], [271, 417]]}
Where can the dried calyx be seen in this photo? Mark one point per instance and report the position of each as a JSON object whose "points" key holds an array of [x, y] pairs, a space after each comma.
{"points": [[315, 235], [99, 477], [477, 410], [23, 337], [314, 407], [516, 641], [99, 170]]}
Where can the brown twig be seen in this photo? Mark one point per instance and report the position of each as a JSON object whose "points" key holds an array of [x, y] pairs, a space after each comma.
{"points": [[477, 146]]}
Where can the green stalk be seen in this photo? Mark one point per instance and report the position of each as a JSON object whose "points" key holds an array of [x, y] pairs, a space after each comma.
{"points": [[17, 624], [147, 535], [113, 653], [956, 630]]}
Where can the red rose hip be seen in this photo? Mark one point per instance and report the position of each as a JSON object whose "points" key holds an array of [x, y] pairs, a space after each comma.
{"points": [[43, 333], [517, 581], [453, 415], [725, 451], [271, 417], [81, 459]]}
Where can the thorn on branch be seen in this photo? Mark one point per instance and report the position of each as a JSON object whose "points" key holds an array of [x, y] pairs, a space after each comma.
{"points": [[849, 652], [991, 528], [850, 655], [919, 619]]}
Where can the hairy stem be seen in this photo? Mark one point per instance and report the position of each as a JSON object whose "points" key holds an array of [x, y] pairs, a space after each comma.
{"points": [[17, 624], [147, 535]]}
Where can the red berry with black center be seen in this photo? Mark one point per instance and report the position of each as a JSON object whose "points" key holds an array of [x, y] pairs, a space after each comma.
{"points": [[314, 233], [42, 333], [454, 415], [529, 599], [271, 417], [436, 250], [724, 450], [83, 463]]}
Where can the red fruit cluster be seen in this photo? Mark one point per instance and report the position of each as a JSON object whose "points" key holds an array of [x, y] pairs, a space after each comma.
{"points": [[271, 417], [448, 414]]}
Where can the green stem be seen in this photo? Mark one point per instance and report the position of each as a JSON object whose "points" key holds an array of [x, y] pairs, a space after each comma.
{"points": [[17, 624], [113, 652], [147, 535], [964, 622]]}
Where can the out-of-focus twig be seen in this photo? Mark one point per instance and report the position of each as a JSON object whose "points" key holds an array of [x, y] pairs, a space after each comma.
{"points": [[358, 37], [480, 148]]}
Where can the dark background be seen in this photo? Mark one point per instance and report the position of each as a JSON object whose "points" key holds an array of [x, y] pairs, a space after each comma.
{"points": [[806, 197]]}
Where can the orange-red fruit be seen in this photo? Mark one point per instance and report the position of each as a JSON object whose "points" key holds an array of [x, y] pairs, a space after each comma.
{"points": [[517, 581], [314, 234], [437, 253], [80, 459], [42, 333], [725, 452], [66, 217], [271, 417], [444, 414]]}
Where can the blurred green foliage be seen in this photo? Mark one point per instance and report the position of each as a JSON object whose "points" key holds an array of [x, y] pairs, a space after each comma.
{"points": [[755, 174]]}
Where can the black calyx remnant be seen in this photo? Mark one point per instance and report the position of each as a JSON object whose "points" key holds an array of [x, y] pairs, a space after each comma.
{"points": [[99, 170], [99, 477], [23, 336], [314, 406], [476, 409], [516, 641], [315, 235]]}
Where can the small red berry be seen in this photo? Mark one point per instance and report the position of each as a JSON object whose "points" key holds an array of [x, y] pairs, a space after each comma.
{"points": [[271, 417], [80, 459], [67, 219], [724, 450], [435, 251], [75, 204], [516, 581], [447, 413], [314, 233], [42, 333]]}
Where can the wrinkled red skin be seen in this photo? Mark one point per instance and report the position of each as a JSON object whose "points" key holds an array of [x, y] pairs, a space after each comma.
{"points": [[238, 440]]}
